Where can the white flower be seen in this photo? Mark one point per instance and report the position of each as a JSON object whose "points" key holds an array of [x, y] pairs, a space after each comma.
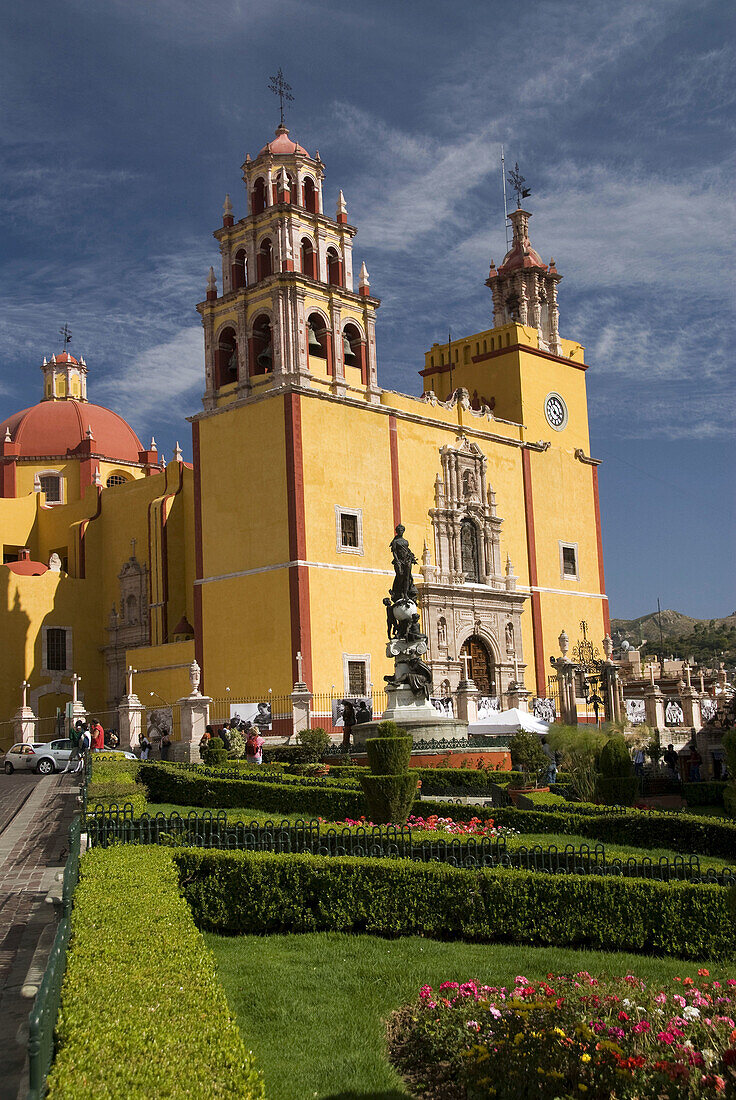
{"points": [[626, 1002], [709, 1057], [690, 1012]]}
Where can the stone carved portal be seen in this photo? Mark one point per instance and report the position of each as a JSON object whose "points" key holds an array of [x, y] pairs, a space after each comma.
{"points": [[127, 628], [468, 605]]}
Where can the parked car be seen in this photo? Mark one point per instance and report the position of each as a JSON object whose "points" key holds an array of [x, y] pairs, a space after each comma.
{"points": [[46, 758]]}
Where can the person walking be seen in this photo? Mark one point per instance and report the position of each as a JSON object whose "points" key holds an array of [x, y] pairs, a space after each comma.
{"points": [[639, 759], [145, 747], [695, 761], [254, 746], [74, 735], [348, 721], [97, 735], [670, 759], [84, 746], [552, 766]]}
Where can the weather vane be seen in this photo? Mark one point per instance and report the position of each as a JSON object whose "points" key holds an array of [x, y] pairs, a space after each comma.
{"points": [[66, 332], [279, 87], [517, 182]]}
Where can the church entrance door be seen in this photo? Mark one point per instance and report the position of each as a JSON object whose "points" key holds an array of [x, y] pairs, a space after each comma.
{"points": [[481, 665]]}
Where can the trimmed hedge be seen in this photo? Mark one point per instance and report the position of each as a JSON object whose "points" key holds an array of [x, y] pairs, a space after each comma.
{"points": [[186, 788], [707, 793], [389, 755], [142, 1011], [245, 892], [389, 797], [114, 783], [685, 833]]}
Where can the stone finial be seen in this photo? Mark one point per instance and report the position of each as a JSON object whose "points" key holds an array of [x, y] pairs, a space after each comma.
{"points": [[607, 647], [227, 207], [154, 446], [564, 642], [8, 438], [341, 213], [89, 432], [162, 460], [98, 478], [45, 361], [82, 361], [195, 675], [509, 567], [178, 453], [211, 285], [364, 277], [53, 359]]}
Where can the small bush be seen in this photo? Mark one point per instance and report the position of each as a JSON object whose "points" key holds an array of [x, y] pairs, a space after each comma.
{"points": [[237, 745], [389, 755], [142, 1011], [387, 728], [389, 797], [707, 793], [529, 758], [615, 761], [314, 744], [214, 752], [729, 799]]}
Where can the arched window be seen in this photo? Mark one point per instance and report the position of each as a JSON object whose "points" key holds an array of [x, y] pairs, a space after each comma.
{"points": [[334, 267], [309, 193], [353, 348], [131, 609], [482, 665], [317, 336], [265, 259], [466, 354], [239, 270], [51, 485], [258, 196], [226, 358], [261, 346], [115, 479], [308, 257], [469, 551]]}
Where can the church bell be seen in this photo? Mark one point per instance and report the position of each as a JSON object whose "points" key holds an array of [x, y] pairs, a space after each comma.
{"points": [[315, 348], [265, 358], [347, 351]]}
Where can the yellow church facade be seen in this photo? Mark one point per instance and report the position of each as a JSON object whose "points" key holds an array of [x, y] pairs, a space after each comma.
{"points": [[267, 558]]}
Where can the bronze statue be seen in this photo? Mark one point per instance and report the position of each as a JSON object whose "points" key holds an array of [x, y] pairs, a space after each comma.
{"points": [[402, 558]]}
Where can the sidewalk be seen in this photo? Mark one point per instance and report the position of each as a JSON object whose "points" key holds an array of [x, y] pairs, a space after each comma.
{"points": [[33, 849]]}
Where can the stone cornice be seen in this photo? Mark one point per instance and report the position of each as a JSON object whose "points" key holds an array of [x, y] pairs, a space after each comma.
{"points": [[288, 279], [341, 228], [428, 371]]}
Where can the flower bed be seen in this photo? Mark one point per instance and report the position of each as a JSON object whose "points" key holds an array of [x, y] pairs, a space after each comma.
{"points": [[434, 824], [569, 1036]]}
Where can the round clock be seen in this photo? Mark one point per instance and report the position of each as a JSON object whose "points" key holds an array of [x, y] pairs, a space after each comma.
{"points": [[555, 410]]}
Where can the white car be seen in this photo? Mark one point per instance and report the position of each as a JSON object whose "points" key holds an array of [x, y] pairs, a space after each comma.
{"points": [[46, 757]]}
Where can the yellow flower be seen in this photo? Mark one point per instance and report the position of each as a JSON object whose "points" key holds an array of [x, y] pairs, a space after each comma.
{"points": [[559, 1031], [585, 1058], [583, 1088]]}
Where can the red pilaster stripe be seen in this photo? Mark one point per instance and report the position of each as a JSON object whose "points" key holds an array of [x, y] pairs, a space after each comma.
{"points": [[531, 550], [599, 537], [198, 552], [301, 630], [393, 438]]}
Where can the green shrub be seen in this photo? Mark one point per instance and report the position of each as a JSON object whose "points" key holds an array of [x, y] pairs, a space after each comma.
{"points": [[114, 784], [614, 761], [578, 747], [622, 790], [389, 755], [729, 799], [389, 797], [237, 745], [142, 1011], [707, 793], [187, 788], [729, 744], [314, 744], [387, 728], [529, 758], [214, 752], [243, 893]]}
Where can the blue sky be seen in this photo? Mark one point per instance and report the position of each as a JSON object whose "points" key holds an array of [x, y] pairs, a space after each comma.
{"points": [[125, 123]]}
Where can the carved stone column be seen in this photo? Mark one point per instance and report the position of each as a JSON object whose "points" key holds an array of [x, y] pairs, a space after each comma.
{"points": [[467, 700], [24, 720]]}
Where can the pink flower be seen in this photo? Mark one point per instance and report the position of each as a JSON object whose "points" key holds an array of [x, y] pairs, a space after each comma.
{"points": [[425, 992], [666, 1037], [473, 1025], [495, 1012], [642, 1026], [679, 1000], [521, 980], [449, 985], [661, 998]]}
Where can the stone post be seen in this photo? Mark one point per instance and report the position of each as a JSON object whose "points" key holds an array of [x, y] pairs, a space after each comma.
{"points": [[24, 720], [518, 696], [130, 715], [194, 712], [654, 703], [77, 709], [301, 699], [467, 697]]}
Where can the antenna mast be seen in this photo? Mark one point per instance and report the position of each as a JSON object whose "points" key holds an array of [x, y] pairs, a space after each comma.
{"points": [[505, 207]]}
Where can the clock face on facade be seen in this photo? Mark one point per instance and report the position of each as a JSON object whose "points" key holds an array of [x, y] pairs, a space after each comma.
{"points": [[555, 410]]}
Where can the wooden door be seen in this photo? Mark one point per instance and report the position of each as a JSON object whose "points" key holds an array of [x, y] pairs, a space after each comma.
{"points": [[481, 665]]}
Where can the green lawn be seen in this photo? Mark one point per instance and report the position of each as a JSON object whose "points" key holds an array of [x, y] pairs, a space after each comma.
{"points": [[259, 816], [312, 1007]]}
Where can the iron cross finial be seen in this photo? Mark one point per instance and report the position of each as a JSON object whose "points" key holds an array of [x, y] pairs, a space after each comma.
{"points": [[66, 332], [279, 87], [517, 182]]}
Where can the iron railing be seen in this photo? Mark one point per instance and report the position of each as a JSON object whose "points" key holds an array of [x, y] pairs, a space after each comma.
{"points": [[115, 825], [43, 1015]]}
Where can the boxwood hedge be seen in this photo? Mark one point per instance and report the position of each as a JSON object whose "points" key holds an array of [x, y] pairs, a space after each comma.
{"points": [[246, 892], [142, 1011]]}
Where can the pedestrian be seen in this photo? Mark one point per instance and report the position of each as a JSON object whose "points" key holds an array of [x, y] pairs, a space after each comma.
{"points": [[670, 758], [552, 766], [224, 736], [348, 721], [254, 746], [84, 745], [97, 735], [145, 747], [74, 734], [165, 746], [695, 761], [639, 759]]}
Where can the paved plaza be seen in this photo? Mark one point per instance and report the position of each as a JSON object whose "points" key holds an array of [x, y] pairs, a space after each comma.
{"points": [[35, 814]]}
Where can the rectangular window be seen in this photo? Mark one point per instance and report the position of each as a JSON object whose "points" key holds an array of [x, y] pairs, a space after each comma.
{"points": [[349, 530], [10, 553], [357, 681], [51, 486], [56, 649], [569, 560]]}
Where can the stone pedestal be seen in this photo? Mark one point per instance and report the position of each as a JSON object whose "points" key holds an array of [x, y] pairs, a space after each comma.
{"points": [[24, 725], [301, 700], [566, 683], [130, 719], [654, 707], [690, 702], [467, 701], [194, 711], [518, 697]]}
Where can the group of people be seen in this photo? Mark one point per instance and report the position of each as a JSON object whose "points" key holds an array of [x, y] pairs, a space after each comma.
{"points": [[254, 742], [88, 737], [680, 765], [147, 746], [349, 713]]}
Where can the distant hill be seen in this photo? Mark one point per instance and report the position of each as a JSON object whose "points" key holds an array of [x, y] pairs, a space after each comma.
{"points": [[683, 636]]}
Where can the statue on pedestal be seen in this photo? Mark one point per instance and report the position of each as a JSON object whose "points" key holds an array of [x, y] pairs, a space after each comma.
{"points": [[406, 642]]}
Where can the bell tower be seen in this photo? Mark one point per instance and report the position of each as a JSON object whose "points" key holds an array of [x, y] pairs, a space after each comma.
{"points": [[287, 312]]}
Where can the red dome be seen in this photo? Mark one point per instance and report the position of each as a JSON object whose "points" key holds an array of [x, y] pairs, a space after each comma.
{"points": [[283, 145], [55, 428]]}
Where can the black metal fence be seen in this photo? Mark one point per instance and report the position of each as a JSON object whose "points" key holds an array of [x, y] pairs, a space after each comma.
{"points": [[42, 1018], [117, 825]]}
